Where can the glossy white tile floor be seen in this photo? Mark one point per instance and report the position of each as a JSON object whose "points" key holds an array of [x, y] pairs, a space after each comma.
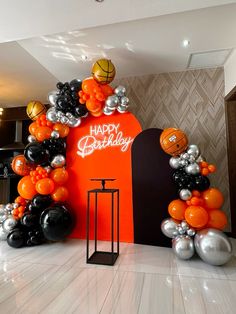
{"points": [[54, 278]]}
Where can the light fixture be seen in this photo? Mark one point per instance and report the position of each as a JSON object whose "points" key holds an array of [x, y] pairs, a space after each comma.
{"points": [[99, 0], [185, 43], [84, 57], [1, 111]]}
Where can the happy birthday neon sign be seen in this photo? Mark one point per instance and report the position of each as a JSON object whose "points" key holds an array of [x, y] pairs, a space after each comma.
{"points": [[102, 137]]}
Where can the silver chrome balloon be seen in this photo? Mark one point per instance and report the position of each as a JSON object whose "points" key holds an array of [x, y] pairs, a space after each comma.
{"points": [[52, 97], [107, 111], [112, 101], [185, 194], [8, 207], [15, 205], [60, 114], [58, 161], [192, 168], [191, 232], [174, 162], [55, 134], [181, 230], [48, 169], [124, 101], [69, 115], [3, 234], [51, 115], [184, 225], [213, 246], [64, 120], [31, 139], [185, 156], [192, 159], [121, 109], [183, 247], [3, 217], [169, 228], [74, 122], [183, 163], [9, 224], [120, 91], [193, 150]]}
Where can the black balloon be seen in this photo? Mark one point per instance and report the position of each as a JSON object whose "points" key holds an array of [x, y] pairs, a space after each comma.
{"points": [[36, 153], [60, 85], [35, 237], [76, 85], [202, 183], [56, 223], [30, 220], [80, 111], [16, 238], [55, 147], [39, 203]]}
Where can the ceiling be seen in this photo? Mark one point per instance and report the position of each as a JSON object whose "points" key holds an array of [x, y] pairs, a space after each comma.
{"points": [[140, 37]]}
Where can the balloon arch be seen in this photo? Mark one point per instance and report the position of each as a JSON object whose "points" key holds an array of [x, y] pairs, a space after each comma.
{"points": [[38, 214]]}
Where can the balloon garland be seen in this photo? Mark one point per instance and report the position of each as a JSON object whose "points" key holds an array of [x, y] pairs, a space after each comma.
{"points": [[196, 221], [38, 214]]}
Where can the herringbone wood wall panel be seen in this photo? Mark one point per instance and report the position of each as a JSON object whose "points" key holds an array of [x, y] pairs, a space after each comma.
{"points": [[192, 101]]}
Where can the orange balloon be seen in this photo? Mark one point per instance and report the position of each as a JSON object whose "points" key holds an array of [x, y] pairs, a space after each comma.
{"points": [[212, 168], [62, 129], [60, 194], [21, 166], [205, 171], [88, 85], [26, 188], [59, 176], [96, 114], [196, 216], [43, 133], [177, 209], [20, 200], [32, 128], [107, 90], [213, 198], [217, 219], [45, 186], [94, 105]]}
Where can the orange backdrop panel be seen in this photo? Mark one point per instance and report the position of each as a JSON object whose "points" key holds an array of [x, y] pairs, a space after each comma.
{"points": [[101, 148]]}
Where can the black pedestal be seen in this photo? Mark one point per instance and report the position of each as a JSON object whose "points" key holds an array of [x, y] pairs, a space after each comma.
{"points": [[100, 257]]}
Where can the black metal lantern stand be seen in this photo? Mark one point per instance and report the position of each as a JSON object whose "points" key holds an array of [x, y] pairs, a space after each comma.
{"points": [[101, 257]]}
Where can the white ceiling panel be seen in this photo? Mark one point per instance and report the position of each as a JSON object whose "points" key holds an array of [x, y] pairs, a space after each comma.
{"points": [[20, 19], [140, 47], [22, 78]]}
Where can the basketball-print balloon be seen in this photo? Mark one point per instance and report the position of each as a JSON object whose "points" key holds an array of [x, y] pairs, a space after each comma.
{"points": [[35, 109], [21, 166], [103, 71], [173, 141]]}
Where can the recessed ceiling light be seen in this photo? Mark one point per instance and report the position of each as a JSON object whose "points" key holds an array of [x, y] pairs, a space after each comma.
{"points": [[84, 57], [99, 0], [186, 43]]}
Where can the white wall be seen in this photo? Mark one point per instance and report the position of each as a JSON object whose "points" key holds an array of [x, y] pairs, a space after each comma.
{"points": [[230, 73]]}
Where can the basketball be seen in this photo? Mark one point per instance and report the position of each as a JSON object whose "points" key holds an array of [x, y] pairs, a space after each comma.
{"points": [[35, 109], [173, 141], [103, 71], [21, 166]]}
